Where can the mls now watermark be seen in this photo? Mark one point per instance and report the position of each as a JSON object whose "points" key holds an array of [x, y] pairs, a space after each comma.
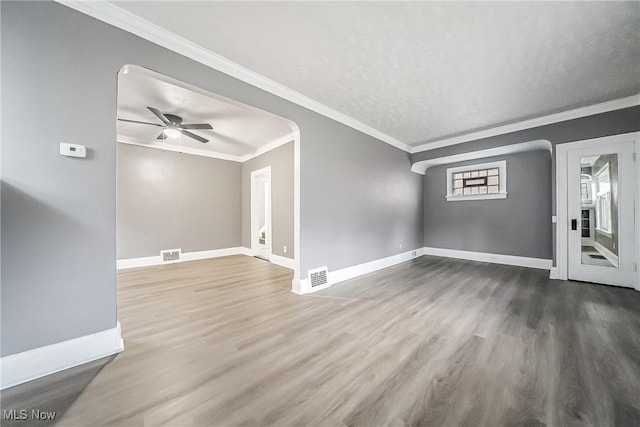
{"points": [[23, 414]]}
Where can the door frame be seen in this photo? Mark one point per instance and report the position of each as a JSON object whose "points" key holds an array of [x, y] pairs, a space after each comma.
{"points": [[562, 220], [256, 175]]}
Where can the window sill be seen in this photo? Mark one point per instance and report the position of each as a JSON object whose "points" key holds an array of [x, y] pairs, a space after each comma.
{"points": [[604, 233], [477, 197]]}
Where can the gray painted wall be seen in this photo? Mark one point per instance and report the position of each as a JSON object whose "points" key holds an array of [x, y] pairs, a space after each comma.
{"points": [[360, 201], [58, 213], [281, 161], [59, 74], [599, 125], [519, 225], [168, 200]]}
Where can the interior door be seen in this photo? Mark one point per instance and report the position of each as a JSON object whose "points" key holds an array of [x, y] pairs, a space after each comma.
{"points": [[600, 205], [261, 215]]}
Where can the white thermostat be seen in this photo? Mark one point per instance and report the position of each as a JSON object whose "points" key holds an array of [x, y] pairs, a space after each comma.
{"points": [[73, 150]]}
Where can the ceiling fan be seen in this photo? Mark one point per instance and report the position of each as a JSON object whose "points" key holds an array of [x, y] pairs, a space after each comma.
{"points": [[173, 126]]}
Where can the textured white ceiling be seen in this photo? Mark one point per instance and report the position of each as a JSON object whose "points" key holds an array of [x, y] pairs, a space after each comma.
{"points": [[421, 71], [238, 130]]}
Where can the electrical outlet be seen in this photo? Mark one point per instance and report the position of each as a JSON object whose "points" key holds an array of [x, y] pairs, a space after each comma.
{"points": [[400, 245], [284, 249]]}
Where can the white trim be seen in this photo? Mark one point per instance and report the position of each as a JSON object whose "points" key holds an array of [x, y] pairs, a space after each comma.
{"points": [[127, 21], [637, 208], [501, 165], [261, 171], [520, 261], [29, 365], [590, 110], [347, 273], [562, 151], [477, 197], [553, 273], [255, 175], [185, 256], [354, 271], [561, 212], [610, 256], [295, 282], [295, 286], [206, 153], [120, 18], [282, 261], [180, 149], [244, 251], [268, 147], [539, 144], [605, 233]]}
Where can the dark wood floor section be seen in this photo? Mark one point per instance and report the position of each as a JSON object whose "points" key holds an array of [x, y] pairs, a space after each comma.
{"points": [[433, 341]]}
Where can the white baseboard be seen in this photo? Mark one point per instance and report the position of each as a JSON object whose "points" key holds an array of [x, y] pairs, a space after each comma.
{"points": [[543, 264], [185, 256], [337, 276], [553, 273], [333, 277], [282, 261], [610, 256], [29, 365], [245, 251], [296, 286]]}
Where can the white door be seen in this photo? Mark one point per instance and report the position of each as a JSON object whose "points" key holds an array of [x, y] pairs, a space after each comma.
{"points": [[261, 213], [601, 185]]}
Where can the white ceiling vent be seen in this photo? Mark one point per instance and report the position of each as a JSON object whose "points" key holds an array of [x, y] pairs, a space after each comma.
{"points": [[318, 277], [170, 255]]}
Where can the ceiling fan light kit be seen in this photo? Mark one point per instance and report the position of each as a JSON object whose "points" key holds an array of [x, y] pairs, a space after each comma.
{"points": [[172, 132], [172, 126]]}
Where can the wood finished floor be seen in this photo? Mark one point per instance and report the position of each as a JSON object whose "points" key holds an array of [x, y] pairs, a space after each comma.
{"points": [[433, 341]]}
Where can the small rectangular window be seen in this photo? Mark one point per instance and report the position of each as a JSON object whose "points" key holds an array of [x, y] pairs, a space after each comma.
{"points": [[475, 182]]}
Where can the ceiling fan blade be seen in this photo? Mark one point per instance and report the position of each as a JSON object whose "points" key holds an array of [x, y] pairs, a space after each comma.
{"points": [[194, 136], [159, 115], [142, 123], [197, 126], [162, 136]]}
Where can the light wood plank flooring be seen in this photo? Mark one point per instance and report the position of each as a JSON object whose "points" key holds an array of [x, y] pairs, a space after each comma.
{"points": [[433, 341]]}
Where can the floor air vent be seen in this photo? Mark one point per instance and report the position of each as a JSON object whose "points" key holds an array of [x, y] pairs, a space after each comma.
{"points": [[170, 255], [318, 277]]}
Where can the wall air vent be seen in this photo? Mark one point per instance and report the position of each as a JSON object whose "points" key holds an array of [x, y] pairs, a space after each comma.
{"points": [[170, 255], [318, 277]]}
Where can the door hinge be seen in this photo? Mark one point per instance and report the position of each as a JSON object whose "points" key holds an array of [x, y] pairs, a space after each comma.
{"points": [[634, 157], [635, 267]]}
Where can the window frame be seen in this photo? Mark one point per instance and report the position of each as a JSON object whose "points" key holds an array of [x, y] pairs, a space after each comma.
{"points": [[588, 181], [602, 172], [501, 165]]}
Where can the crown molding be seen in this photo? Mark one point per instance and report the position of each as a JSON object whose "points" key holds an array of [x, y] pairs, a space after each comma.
{"points": [[540, 144], [127, 21], [120, 18], [206, 153], [179, 149], [268, 147], [590, 110]]}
